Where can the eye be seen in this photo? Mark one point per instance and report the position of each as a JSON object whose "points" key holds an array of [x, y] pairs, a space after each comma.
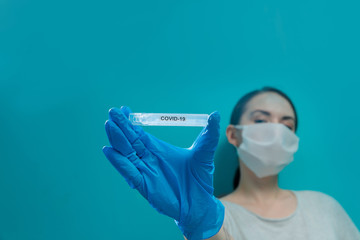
{"points": [[259, 121], [288, 127]]}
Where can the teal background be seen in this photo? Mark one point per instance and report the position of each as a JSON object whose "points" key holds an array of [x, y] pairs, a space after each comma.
{"points": [[63, 64]]}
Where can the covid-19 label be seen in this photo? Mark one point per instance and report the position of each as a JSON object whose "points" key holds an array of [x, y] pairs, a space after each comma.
{"points": [[172, 118]]}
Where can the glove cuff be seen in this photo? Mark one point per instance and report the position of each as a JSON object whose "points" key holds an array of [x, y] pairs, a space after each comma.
{"points": [[209, 225]]}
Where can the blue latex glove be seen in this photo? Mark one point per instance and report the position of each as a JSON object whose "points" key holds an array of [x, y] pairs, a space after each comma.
{"points": [[177, 182]]}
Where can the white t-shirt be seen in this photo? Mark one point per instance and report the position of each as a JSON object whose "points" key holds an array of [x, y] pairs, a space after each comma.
{"points": [[318, 216]]}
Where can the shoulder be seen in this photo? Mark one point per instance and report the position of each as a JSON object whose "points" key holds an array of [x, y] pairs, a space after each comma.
{"points": [[317, 196], [227, 202], [316, 199], [228, 199]]}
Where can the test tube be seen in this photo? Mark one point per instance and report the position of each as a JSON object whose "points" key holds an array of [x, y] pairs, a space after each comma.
{"points": [[169, 119]]}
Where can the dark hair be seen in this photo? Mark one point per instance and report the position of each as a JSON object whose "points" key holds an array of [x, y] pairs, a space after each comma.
{"points": [[240, 108]]}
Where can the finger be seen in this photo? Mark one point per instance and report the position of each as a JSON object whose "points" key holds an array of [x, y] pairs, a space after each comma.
{"points": [[204, 150], [137, 129], [125, 167], [126, 111], [120, 143], [117, 139], [209, 137], [150, 142], [122, 121]]}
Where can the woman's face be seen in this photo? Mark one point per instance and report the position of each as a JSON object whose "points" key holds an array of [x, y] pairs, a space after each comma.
{"points": [[269, 107], [265, 107]]}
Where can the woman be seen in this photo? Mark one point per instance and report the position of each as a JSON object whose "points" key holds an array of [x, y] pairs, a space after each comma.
{"points": [[178, 182]]}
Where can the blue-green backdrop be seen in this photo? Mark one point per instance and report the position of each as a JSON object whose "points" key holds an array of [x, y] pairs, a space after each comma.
{"points": [[63, 64]]}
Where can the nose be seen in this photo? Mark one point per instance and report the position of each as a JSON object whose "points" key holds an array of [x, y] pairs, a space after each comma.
{"points": [[275, 120]]}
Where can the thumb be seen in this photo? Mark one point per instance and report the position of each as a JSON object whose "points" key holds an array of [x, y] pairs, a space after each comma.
{"points": [[204, 149], [209, 137]]}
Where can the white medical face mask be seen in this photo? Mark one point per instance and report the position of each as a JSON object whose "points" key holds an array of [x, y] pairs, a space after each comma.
{"points": [[267, 148]]}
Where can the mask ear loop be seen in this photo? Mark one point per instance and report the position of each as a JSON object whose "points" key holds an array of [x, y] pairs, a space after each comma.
{"points": [[239, 127]]}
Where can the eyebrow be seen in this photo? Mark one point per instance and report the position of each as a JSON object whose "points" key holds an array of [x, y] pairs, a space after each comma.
{"points": [[269, 114]]}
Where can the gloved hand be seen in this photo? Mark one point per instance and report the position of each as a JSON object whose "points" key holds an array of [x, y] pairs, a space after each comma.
{"points": [[177, 182]]}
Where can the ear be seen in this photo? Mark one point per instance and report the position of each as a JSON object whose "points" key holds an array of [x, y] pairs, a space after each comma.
{"points": [[234, 135]]}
